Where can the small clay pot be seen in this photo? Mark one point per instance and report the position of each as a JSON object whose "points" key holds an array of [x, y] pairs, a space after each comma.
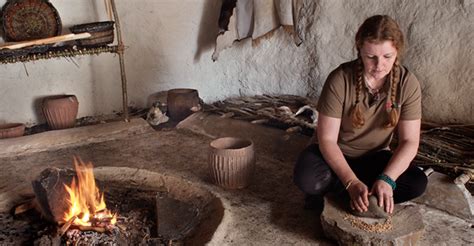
{"points": [[232, 162], [12, 130], [180, 102], [60, 111]]}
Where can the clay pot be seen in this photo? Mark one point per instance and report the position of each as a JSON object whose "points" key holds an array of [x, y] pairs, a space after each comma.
{"points": [[12, 130], [60, 111], [231, 162], [180, 102]]}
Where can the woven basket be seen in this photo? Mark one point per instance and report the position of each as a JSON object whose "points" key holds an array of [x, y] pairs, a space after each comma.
{"points": [[102, 33], [30, 19]]}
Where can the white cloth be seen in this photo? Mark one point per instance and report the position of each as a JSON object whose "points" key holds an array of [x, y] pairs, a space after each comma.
{"points": [[244, 17]]}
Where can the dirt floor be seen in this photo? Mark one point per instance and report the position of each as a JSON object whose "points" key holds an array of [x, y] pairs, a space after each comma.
{"points": [[268, 212]]}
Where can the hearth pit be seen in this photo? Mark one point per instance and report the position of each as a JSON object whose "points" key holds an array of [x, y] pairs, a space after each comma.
{"points": [[147, 209]]}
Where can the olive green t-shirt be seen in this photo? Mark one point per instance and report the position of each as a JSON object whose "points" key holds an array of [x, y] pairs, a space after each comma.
{"points": [[339, 96]]}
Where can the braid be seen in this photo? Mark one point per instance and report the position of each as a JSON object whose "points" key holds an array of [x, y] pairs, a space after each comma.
{"points": [[393, 114], [357, 118]]}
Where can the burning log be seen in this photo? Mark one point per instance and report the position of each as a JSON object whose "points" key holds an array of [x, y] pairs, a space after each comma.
{"points": [[92, 228], [72, 199], [66, 226]]}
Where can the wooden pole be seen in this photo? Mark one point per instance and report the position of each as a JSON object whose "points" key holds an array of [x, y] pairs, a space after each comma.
{"points": [[108, 9], [51, 40], [120, 52]]}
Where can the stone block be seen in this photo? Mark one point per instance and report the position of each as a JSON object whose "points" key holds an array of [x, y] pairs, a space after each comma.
{"points": [[404, 227], [443, 194]]}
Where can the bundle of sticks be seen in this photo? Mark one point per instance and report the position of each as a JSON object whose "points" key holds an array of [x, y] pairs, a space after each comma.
{"points": [[448, 149], [290, 112]]}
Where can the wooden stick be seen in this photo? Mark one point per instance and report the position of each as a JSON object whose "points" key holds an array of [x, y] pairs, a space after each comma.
{"points": [[120, 52], [121, 227], [25, 207], [92, 228], [66, 226], [51, 40], [463, 178], [108, 9]]}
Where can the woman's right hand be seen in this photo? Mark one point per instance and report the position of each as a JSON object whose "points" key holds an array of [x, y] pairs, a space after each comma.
{"points": [[359, 194]]}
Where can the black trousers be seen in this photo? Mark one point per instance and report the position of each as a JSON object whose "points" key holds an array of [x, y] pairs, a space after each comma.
{"points": [[313, 175]]}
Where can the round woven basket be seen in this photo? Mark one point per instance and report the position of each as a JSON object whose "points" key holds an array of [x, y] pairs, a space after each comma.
{"points": [[30, 19], [93, 27], [231, 162]]}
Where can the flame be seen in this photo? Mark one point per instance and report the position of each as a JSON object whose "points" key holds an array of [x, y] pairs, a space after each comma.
{"points": [[86, 203]]}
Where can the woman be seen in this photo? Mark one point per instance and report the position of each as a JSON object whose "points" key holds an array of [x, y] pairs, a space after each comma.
{"points": [[362, 104]]}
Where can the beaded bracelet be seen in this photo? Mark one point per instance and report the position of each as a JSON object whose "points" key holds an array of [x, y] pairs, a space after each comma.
{"points": [[387, 180]]}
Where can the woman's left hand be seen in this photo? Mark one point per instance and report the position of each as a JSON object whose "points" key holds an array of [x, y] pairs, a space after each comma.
{"points": [[384, 194]]}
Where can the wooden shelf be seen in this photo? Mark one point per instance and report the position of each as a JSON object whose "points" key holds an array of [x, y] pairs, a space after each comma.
{"points": [[43, 52], [55, 52]]}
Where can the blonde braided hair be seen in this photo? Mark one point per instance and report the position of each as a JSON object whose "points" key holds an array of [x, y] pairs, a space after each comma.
{"points": [[377, 29], [394, 107], [358, 119]]}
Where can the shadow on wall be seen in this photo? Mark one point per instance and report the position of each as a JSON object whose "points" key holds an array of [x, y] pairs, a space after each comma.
{"points": [[37, 109], [208, 28]]}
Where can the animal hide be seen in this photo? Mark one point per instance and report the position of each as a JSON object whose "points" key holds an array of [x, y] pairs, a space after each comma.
{"points": [[241, 19]]}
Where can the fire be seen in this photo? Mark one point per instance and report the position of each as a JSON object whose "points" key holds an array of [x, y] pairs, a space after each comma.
{"points": [[86, 203]]}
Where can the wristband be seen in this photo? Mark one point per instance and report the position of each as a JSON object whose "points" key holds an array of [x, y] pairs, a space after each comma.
{"points": [[348, 184], [387, 180]]}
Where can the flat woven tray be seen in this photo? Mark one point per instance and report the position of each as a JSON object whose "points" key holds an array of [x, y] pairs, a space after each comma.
{"points": [[100, 26], [102, 33], [30, 19]]}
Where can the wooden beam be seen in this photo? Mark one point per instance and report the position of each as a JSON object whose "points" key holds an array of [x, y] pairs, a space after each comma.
{"points": [[120, 52]]}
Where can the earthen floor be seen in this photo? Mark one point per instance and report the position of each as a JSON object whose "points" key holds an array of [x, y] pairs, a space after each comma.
{"points": [[268, 212]]}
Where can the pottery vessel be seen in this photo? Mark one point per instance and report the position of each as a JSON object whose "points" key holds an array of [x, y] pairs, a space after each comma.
{"points": [[61, 111], [12, 130], [231, 162], [182, 102]]}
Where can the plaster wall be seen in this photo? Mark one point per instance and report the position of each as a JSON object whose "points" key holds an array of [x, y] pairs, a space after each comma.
{"points": [[169, 45]]}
